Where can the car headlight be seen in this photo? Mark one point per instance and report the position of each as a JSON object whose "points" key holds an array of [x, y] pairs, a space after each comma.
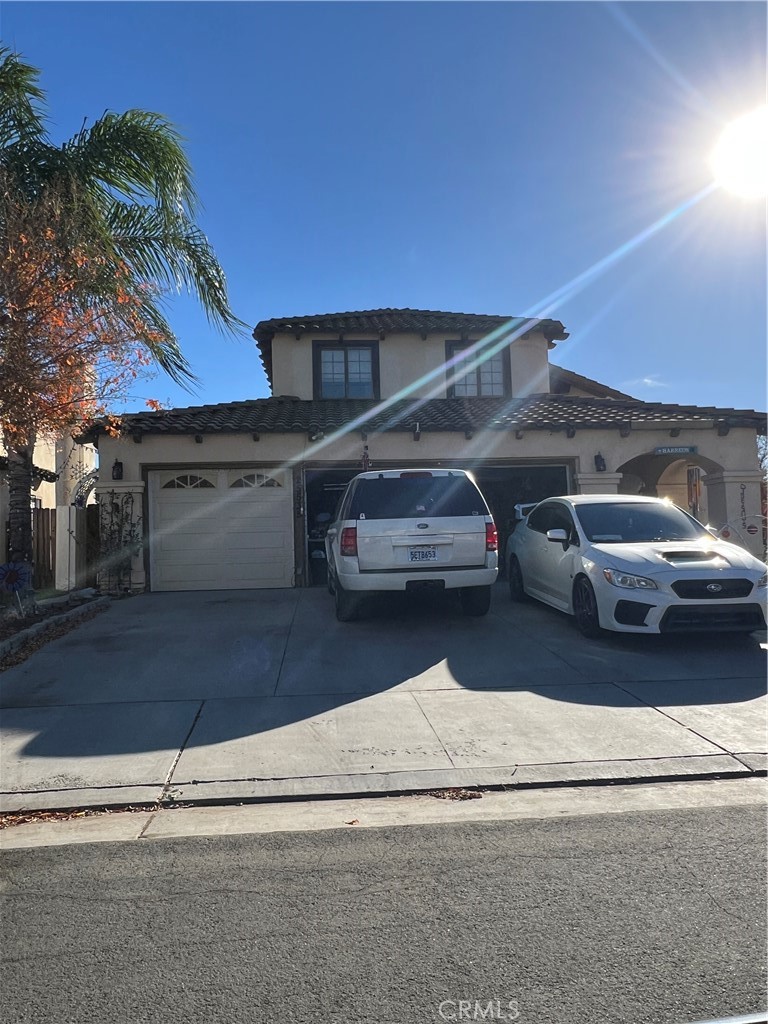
{"points": [[763, 581], [625, 579]]}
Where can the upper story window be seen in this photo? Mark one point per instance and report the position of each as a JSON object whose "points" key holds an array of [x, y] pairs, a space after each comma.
{"points": [[346, 370], [471, 379]]}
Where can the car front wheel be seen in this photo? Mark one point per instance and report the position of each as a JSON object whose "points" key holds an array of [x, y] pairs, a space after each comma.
{"points": [[475, 601], [585, 609]]}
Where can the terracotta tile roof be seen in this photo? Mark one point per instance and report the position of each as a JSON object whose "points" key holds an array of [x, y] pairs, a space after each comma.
{"points": [[396, 321], [382, 322], [537, 412], [561, 381]]}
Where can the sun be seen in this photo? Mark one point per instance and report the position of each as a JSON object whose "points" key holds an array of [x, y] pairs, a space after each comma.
{"points": [[739, 161]]}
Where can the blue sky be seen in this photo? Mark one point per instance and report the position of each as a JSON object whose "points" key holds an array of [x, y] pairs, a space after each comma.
{"points": [[458, 156]]}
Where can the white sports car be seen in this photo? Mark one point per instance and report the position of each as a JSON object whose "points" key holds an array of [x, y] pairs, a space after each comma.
{"points": [[638, 565]]}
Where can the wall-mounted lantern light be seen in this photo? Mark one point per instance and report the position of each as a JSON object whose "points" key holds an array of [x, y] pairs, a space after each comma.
{"points": [[599, 463], [117, 470]]}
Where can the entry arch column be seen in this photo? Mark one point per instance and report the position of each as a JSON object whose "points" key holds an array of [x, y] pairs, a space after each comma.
{"points": [[733, 503], [598, 483]]}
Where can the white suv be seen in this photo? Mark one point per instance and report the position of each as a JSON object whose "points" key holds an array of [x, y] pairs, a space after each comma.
{"points": [[412, 529]]}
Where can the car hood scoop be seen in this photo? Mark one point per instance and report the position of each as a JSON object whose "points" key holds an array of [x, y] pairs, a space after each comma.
{"points": [[706, 555], [691, 555]]}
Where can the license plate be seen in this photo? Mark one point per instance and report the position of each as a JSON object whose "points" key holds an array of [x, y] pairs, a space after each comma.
{"points": [[422, 554]]}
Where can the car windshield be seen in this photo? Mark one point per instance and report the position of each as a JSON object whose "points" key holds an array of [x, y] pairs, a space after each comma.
{"points": [[406, 497], [626, 522]]}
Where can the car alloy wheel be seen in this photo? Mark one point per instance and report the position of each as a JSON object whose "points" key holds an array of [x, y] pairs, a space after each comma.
{"points": [[516, 585], [585, 609]]}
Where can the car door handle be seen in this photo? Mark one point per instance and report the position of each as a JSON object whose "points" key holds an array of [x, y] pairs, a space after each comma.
{"points": [[331, 533]]}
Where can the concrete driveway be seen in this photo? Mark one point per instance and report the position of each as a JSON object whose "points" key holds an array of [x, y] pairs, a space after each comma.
{"points": [[249, 694]]}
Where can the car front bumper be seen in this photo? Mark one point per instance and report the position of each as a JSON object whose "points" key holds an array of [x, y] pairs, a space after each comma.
{"points": [[658, 612]]}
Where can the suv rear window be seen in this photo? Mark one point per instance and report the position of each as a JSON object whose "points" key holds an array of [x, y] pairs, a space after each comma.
{"points": [[407, 497]]}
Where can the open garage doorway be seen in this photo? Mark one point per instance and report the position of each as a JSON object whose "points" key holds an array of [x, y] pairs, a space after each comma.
{"points": [[323, 490], [507, 486]]}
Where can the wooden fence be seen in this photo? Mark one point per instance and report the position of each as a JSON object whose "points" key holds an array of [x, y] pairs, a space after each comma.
{"points": [[44, 548], [84, 530]]}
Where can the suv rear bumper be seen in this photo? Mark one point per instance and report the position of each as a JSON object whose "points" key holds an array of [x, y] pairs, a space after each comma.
{"points": [[375, 582]]}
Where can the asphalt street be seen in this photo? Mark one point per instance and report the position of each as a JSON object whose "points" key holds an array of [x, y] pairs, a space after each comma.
{"points": [[638, 917]]}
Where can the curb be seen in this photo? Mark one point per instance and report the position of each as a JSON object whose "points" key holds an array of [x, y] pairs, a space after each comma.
{"points": [[13, 643], [171, 797], [183, 821]]}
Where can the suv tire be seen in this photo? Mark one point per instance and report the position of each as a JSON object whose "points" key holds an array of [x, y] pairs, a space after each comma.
{"points": [[347, 604], [475, 601]]}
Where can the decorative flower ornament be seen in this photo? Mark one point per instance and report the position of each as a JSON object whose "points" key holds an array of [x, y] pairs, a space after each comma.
{"points": [[15, 576]]}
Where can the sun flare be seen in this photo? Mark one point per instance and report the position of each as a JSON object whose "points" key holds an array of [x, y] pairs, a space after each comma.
{"points": [[739, 161]]}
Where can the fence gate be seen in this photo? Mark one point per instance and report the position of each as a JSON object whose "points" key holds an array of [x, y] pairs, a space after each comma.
{"points": [[44, 548]]}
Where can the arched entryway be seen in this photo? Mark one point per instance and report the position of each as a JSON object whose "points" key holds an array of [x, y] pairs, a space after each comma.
{"points": [[676, 475], [726, 499]]}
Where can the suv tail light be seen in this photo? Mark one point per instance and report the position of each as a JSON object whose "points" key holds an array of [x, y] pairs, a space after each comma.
{"points": [[348, 543], [491, 537]]}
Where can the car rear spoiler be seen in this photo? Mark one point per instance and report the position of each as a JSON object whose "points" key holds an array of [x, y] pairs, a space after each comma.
{"points": [[522, 509]]}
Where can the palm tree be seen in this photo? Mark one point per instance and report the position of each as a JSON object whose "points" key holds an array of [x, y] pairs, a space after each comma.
{"points": [[122, 189]]}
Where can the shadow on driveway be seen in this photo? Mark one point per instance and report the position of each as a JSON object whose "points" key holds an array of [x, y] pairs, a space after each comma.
{"points": [[138, 677]]}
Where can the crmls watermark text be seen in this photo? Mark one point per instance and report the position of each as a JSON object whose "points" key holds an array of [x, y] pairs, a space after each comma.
{"points": [[477, 1009]]}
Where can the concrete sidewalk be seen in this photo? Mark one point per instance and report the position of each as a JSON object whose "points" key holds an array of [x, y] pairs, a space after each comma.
{"points": [[262, 694]]}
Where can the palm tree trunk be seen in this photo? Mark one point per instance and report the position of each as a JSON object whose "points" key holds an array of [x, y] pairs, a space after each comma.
{"points": [[20, 504]]}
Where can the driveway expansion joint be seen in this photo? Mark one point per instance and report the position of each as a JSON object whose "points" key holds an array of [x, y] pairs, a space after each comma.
{"points": [[166, 792]]}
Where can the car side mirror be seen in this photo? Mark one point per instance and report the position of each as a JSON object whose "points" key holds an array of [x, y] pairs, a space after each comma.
{"points": [[558, 536]]}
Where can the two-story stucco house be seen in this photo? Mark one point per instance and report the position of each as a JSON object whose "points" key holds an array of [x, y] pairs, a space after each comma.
{"points": [[235, 495]]}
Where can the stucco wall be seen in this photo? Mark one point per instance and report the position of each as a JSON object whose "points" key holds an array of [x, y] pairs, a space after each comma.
{"points": [[736, 451], [404, 360], [731, 494]]}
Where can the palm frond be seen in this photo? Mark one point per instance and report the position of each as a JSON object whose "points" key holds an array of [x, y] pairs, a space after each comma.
{"points": [[163, 345], [137, 155], [172, 253], [22, 118]]}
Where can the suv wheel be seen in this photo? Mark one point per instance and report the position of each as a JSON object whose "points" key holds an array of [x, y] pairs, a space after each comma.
{"points": [[347, 605], [516, 585], [475, 601]]}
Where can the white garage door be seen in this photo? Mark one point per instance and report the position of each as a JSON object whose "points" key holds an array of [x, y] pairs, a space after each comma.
{"points": [[220, 529]]}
